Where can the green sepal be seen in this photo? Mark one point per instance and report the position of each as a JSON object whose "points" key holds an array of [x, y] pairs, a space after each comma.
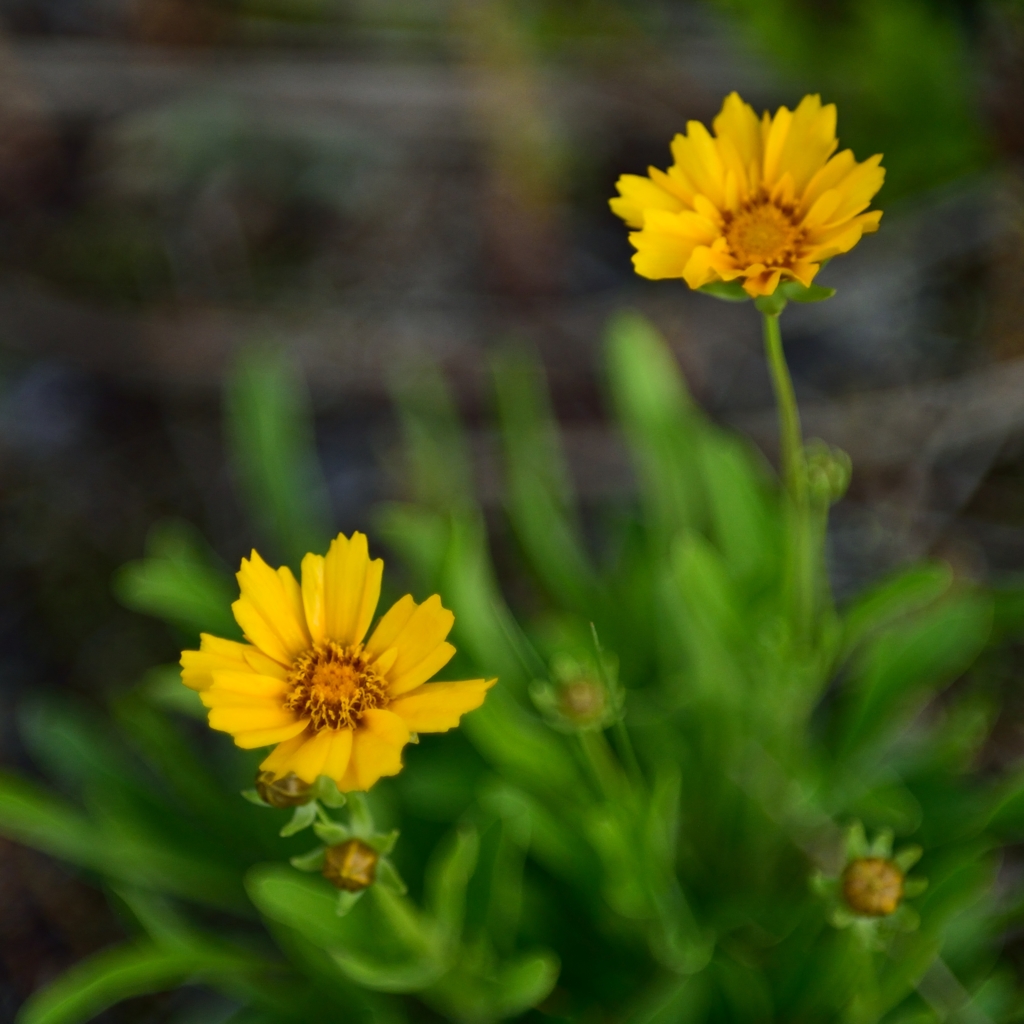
{"points": [[332, 832], [882, 844], [730, 291], [906, 858], [312, 861], [304, 816], [383, 842], [346, 901], [326, 790], [389, 878], [794, 291], [254, 798], [856, 842]]}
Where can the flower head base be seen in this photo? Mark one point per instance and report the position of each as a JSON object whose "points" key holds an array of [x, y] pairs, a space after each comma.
{"points": [[335, 703], [869, 894], [760, 202], [287, 791], [873, 886], [582, 694]]}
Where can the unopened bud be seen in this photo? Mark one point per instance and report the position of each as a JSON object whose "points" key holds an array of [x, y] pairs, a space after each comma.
{"points": [[287, 791], [873, 886], [828, 471], [351, 866], [582, 702]]}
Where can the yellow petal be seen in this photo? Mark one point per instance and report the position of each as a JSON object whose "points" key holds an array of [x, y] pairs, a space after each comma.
{"points": [[376, 748], [823, 209], [336, 763], [308, 761], [763, 282], [804, 272], [859, 188], [420, 641], [197, 667], [278, 760], [270, 610], [351, 589], [697, 156], [774, 143], [437, 707], [698, 270], [675, 183], [809, 142], [252, 738], [637, 195], [828, 177], [249, 683], [245, 719], [313, 596], [739, 136], [421, 671], [667, 241], [217, 698], [392, 622]]}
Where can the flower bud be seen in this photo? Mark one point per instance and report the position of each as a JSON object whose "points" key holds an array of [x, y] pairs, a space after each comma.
{"points": [[873, 886], [582, 701], [351, 866], [287, 791], [828, 472]]}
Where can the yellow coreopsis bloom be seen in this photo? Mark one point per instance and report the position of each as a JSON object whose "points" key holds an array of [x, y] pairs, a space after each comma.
{"points": [[761, 200], [306, 680]]}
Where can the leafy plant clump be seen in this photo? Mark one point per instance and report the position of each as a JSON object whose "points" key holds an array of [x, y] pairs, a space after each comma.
{"points": [[700, 792]]}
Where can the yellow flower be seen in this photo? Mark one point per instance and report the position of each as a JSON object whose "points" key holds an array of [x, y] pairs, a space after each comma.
{"points": [[759, 202], [306, 681]]}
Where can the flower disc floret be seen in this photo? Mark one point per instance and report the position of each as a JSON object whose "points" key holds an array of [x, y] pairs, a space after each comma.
{"points": [[334, 686], [760, 201], [308, 680]]}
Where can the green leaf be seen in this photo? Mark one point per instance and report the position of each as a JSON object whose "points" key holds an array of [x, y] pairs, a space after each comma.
{"points": [[917, 657], [30, 815], [312, 861], [661, 424], [742, 517], [299, 901], [730, 291], [447, 878], [95, 984], [302, 817], [908, 592], [540, 498], [180, 582], [270, 432]]}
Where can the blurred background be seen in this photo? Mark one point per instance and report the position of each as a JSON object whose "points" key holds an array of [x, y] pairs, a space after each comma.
{"points": [[370, 185]]}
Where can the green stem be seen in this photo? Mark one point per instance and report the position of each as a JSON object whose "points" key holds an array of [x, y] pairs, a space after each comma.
{"points": [[802, 535], [791, 443]]}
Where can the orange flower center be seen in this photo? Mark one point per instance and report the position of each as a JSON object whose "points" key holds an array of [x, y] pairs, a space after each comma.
{"points": [[333, 685], [873, 886], [761, 231]]}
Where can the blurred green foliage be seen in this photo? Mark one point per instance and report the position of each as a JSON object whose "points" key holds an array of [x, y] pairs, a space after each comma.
{"points": [[664, 866], [905, 74]]}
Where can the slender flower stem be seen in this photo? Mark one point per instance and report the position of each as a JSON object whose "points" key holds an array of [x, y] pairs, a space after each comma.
{"points": [[790, 438], [802, 536]]}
